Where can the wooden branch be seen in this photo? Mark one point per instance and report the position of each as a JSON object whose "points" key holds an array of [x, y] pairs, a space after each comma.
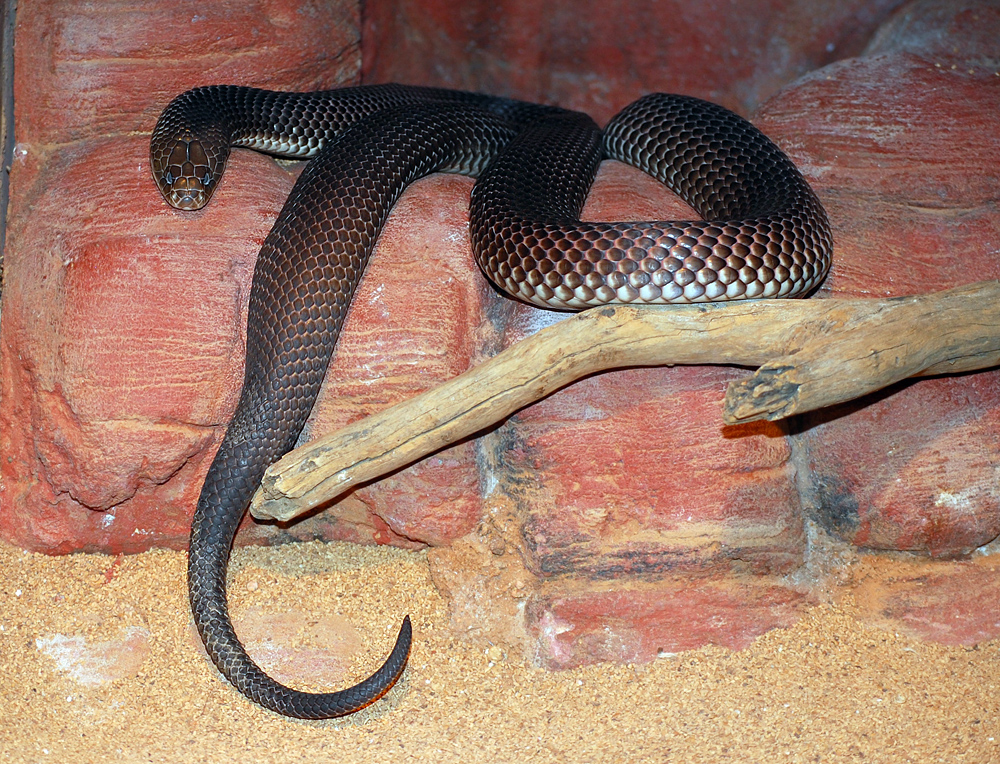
{"points": [[811, 353]]}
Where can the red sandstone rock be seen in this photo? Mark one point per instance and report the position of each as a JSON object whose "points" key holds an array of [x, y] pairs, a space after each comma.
{"points": [[121, 318], [114, 401], [637, 624], [635, 476], [906, 160], [954, 603], [597, 56], [915, 471]]}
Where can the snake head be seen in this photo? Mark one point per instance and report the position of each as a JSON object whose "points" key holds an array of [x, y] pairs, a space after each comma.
{"points": [[185, 172], [189, 149]]}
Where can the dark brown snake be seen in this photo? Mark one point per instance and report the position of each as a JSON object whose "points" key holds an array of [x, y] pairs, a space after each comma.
{"points": [[767, 235]]}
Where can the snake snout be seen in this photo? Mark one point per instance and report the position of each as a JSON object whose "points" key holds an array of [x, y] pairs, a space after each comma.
{"points": [[187, 193]]}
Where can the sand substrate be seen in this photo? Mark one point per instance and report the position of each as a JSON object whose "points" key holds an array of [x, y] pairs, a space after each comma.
{"points": [[831, 689]]}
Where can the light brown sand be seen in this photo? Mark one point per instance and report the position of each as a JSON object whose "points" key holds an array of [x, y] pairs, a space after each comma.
{"points": [[828, 690]]}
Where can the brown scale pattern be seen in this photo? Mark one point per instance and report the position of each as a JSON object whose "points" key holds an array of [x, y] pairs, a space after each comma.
{"points": [[765, 233], [536, 165]]}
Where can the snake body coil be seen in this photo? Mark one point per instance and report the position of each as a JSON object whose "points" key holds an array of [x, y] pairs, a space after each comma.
{"points": [[766, 235]]}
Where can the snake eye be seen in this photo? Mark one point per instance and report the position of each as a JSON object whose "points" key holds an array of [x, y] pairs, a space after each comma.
{"points": [[169, 178], [207, 180]]}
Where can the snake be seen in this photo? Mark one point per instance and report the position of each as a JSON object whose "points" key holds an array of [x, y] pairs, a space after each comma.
{"points": [[762, 233]]}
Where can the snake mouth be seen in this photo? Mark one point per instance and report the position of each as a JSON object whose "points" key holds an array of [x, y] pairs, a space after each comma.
{"points": [[184, 192]]}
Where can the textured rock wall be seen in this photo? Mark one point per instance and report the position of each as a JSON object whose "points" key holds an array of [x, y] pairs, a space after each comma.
{"points": [[122, 320], [618, 518], [597, 56]]}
